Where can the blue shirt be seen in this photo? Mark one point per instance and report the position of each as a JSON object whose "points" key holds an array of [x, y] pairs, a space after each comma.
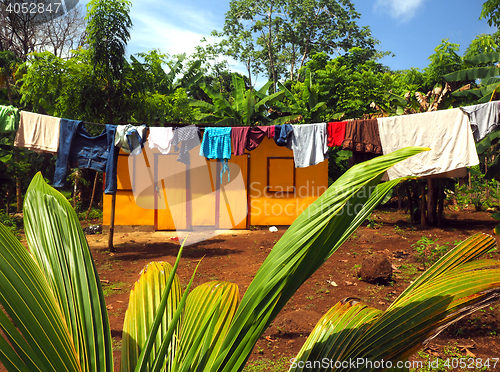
{"points": [[78, 149]]}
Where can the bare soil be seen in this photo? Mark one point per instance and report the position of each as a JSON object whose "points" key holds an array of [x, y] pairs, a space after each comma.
{"points": [[236, 257]]}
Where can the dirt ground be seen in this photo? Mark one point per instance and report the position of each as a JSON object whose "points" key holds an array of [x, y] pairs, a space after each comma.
{"points": [[236, 257]]}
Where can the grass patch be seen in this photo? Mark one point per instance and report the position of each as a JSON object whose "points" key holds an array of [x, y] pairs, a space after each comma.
{"points": [[268, 365], [112, 288]]}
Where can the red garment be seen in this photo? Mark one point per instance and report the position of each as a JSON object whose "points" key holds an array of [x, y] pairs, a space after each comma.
{"points": [[336, 133], [255, 137], [269, 131], [239, 136]]}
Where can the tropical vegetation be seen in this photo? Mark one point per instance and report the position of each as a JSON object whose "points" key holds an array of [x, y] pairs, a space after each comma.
{"points": [[55, 316]]}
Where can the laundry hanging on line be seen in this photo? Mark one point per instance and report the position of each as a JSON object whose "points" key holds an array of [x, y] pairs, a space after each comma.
{"points": [[78, 149], [309, 143], [130, 138], [9, 119], [41, 133], [216, 144], [447, 133], [38, 132]]}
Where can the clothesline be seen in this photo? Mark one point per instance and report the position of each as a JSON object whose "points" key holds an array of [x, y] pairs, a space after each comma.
{"points": [[309, 142]]}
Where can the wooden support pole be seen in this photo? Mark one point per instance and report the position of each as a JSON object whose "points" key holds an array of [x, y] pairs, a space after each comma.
{"points": [[423, 219], [441, 196], [410, 203], [112, 224], [432, 200], [92, 197]]}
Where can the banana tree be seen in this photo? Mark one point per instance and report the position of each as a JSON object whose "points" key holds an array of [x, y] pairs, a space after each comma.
{"points": [[481, 78], [311, 104], [55, 316], [247, 107]]}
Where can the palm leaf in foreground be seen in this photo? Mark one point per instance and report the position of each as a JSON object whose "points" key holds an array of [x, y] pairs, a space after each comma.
{"points": [[353, 336], [313, 237], [145, 298], [206, 314], [52, 293]]}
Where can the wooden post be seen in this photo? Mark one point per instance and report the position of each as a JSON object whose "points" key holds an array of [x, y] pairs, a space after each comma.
{"points": [[410, 203], [92, 197], [112, 224], [430, 201], [441, 197], [487, 186], [19, 189], [398, 196], [423, 220]]}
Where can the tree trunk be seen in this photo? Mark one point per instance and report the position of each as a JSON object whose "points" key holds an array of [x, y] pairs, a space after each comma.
{"points": [[8, 202], [410, 203], [113, 198], [270, 49], [306, 47], [76, 191], [19, 188], [302, 61], [431, 202], [9, 93], [92, 197], [423, 220], [249, 69]]}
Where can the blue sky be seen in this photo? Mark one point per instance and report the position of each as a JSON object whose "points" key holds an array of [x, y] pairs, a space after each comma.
{"points": [[411, 29]]}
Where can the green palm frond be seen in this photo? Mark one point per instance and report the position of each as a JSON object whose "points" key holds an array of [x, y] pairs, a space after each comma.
{"points": [[455, 286]]}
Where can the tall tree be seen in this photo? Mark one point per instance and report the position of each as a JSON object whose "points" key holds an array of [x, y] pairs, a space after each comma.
{"points": [[443, 61], [491, 11], [284, 34], [58, 28], [107, 35], [484, 43]]}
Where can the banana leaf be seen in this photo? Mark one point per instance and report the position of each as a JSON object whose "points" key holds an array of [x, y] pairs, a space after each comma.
{"points": [[491, 57], [472, 74]]}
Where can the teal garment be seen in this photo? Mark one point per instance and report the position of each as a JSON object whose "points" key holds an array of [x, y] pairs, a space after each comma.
{"points": [[216, 144], [9, 119]]}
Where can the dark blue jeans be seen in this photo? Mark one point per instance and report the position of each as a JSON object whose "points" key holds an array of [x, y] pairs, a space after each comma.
{"points": [[281, 133], [78, 149]]}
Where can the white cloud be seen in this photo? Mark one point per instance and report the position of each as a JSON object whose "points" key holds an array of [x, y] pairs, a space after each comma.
{"points": [[173, 28], [402, 10], [148, 33]]}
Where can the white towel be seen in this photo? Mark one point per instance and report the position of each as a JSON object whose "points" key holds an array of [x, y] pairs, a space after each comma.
{"points": [[38, 132], [447, 133], [309, 144], [160, 138]]}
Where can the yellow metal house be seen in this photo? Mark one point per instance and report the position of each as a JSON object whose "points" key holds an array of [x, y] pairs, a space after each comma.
{"points": [[262, 188]]}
